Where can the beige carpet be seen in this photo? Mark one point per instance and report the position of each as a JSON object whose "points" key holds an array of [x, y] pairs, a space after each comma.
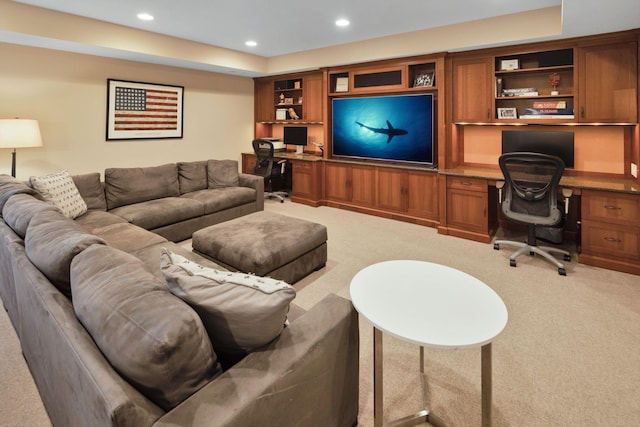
{"points": [[569, 356]]}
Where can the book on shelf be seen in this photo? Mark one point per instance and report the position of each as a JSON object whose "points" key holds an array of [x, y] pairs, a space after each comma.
{"points": [[549, 111], [523, 91], [550, 104], [547, 116]]}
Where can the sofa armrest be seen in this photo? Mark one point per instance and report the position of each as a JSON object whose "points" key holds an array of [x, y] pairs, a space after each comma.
{"points": [[257, 183], [307, 377]]}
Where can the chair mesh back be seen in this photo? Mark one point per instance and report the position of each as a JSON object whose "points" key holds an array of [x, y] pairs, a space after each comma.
{"points": [[531, 187], [264, 157]]}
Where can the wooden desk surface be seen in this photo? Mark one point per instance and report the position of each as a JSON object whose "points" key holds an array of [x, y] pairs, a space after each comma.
{"points": [[579, 182]]}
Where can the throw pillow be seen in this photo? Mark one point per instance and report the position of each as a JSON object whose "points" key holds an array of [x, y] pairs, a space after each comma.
{"points": [[153, 339], [60, 190], [241, 312], [223, 173]]}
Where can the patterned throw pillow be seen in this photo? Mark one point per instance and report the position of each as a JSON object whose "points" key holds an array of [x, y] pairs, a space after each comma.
{"points": [[60, 190], [240, 311]]}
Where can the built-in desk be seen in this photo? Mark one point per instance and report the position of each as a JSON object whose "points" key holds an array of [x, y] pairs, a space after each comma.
{"points": [[605, 214], [306, 170]]}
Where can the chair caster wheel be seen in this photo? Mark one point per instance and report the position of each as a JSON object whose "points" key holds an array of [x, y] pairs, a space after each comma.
{"points": [[562, 271], [282, 201], [567, 257], [531, 253], [496, 246], [512, 262]]}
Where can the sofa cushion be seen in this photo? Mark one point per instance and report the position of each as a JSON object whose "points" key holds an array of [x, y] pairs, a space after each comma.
{"points": [[192, 176], [219, 199], [20, 209], [127, 237], [223, 173], [95, 219], [241, 312], [52, 241], [153, 339], [160, 212], [60, 190], [10, 186], [91, 190], [124, 186]]}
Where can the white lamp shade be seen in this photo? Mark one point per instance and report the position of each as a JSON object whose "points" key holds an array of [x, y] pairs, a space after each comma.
{"points": [[19, 133]]}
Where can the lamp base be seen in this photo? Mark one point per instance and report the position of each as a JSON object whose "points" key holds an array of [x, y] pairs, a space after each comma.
{"points": [[13, 163]]}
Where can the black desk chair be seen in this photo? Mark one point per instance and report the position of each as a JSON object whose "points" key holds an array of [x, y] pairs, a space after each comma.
{"points": [[529, 197], [270, 169]]}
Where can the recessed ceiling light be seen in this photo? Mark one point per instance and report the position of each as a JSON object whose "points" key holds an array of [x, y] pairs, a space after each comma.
{"points": [[342, 22], [251, 43], [145, 17]]}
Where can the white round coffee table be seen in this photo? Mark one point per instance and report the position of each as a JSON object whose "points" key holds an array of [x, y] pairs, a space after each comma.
{"points": [[429, 305]]}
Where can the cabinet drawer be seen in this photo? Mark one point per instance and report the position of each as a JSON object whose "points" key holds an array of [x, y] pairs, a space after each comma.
{"points": [[613, 241], [611, 207], [302, 167], [468, 184]]}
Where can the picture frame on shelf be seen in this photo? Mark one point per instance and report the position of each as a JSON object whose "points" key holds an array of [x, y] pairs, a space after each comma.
{"points": [[342, 84], [132, 110], [424, 79], [507, 113], [509, 64], [288, 101]]}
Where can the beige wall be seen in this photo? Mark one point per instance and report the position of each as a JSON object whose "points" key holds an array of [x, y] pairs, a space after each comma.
{"points": [[67, 93]]}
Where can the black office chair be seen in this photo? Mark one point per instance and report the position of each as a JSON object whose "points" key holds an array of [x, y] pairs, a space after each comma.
{"points": [[530, 197], [270, 169]]}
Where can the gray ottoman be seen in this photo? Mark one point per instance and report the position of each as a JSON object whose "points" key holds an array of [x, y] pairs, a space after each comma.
{"points": [[265, 244]]}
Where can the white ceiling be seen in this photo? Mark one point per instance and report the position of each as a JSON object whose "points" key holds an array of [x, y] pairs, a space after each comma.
{"points": [[287, 26]]}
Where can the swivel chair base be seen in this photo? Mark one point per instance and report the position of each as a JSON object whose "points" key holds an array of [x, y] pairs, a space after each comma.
{"points": [[280, 195], [544, 251]]}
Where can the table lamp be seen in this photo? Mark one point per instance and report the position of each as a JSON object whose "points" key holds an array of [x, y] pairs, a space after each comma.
{"points": [[19, 133]]}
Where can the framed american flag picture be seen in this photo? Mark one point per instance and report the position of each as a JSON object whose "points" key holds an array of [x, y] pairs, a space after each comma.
{"points": [[138, 110]]}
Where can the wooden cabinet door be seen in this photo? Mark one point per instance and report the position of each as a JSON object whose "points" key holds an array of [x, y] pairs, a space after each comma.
{"points": [[263, 94], [608, 89], [472, 84], [467, 210], [363, 185], [303, 180], [422, 190], [336, 182], [392, 189], [312, 100]]}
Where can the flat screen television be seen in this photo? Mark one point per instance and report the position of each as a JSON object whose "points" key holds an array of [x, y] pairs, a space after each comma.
{"points": [[295, 135], [398, 128], [558, 144]]}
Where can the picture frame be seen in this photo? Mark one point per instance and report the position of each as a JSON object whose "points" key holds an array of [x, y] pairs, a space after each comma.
{"points": [[288, 101], [138, 110], [342, 84], [507, 113], [424, 79], [509, 64]]}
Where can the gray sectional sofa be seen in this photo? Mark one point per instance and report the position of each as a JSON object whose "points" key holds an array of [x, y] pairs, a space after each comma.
{"points": [[110, 339]]}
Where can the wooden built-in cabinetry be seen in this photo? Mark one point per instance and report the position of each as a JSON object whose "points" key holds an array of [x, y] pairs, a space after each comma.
{"points": [[596, 84], [611, 230], [470, 209], [392, 192]]}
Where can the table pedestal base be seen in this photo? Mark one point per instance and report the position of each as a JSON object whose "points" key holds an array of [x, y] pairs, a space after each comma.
{"points": [[424, 415]]}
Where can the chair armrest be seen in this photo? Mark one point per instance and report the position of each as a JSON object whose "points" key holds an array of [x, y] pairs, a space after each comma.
{"points": [[306, 377]]}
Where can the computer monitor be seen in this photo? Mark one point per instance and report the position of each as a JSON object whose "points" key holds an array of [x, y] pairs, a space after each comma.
{"points": [[296, 135], [558, 144]]}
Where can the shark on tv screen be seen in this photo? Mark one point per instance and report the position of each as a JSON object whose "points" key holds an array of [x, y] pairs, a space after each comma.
{"points": [[394, 127]]}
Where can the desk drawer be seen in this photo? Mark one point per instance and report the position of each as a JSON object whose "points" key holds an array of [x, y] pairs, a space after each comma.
{"points": [[302, 166], [611, 207], [469, 184], [611, 241]]}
